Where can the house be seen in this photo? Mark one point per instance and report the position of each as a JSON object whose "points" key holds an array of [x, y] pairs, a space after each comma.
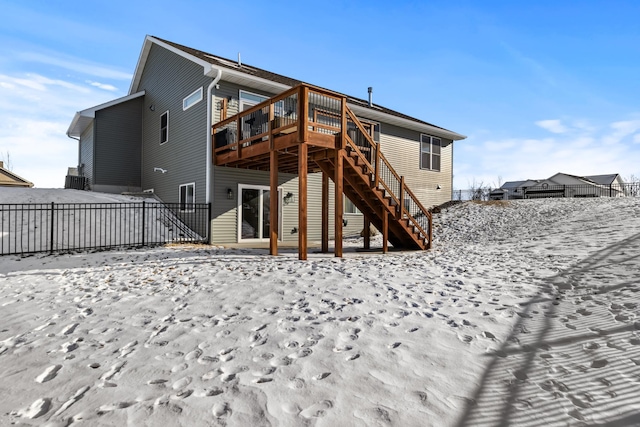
{"points": [[10, 179], [562, 185], [198, 128]]}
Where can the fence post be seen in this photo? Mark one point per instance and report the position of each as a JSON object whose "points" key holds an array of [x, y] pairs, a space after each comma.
{"points": [[209, 233], [143, 221], [52, 225]]}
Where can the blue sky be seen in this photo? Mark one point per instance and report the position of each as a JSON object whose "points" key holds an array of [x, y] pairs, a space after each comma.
{"points": [[538, 88]]}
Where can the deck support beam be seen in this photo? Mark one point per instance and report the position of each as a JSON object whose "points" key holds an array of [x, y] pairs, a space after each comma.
{"points": [[339, 204], [367, 232], [325, 213], [273, 203], [302, 201], [385, 231]]}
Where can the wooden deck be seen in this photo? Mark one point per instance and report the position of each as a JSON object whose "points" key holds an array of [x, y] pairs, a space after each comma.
{"points": [[306, 130]]}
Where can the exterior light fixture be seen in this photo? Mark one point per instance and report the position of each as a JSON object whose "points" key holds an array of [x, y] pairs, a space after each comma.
{"points": [[288, 198], [159, 170], [229, 194], [152, 107], [438, 187]]}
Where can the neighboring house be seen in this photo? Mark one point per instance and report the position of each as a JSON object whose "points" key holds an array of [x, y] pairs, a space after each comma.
{"points": [[159, 138], [10, 179], [562, 185]]}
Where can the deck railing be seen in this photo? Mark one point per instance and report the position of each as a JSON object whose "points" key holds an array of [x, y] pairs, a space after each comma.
{"points": [[320, 110]]}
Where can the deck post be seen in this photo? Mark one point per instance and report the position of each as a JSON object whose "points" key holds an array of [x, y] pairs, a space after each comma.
{"points": [[385, 231], [273, 203], [399, 214], [302, 201], [367, 232], [325, 213], [339, 208]]}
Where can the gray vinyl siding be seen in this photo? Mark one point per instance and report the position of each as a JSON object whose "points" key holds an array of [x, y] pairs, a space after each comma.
{"points": [[401, 147], [118, 148], [167, 79], [225, 212], [231, 90], [86, 153]]}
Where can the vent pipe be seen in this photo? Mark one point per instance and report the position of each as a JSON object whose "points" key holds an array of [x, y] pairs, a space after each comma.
{"points": [[239, 60], [370, 89]]}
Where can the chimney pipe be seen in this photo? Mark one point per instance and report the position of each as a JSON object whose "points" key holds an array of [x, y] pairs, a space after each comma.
{"points": [[239, 60], [370, 89]]}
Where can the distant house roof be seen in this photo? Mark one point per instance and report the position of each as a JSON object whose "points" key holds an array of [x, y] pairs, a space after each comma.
{"points": [[603, 179], [10, 179], [242, 73], [592, 179]]}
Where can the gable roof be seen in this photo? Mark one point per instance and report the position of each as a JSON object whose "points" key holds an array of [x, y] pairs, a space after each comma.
{"points": [[10, 179], [603, 179], [83, 119], [258, 78]]}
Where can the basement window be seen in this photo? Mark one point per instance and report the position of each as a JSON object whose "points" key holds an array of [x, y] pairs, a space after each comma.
{"points": [[192, 99]]}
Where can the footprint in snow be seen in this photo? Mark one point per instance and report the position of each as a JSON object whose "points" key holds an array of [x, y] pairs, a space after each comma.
{"points": [[50, 373], [317, 410]]}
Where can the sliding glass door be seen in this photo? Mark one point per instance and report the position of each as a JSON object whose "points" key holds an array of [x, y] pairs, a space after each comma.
{"points": [[254, 212]]}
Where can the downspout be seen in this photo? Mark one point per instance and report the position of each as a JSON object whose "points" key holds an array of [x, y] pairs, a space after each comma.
{"points": [[209, 159]]}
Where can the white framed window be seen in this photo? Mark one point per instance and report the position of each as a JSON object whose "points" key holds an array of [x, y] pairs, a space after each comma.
{"points": [[192, 99], [248, 99], [187, 197], [349, 207], [164, 127], [430, 152]]}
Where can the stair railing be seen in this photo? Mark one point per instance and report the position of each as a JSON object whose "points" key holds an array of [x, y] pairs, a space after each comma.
{"points": [[385, 177]]}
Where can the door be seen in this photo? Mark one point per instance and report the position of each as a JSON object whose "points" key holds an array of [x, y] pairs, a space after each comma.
{"points": [[254, 212]]}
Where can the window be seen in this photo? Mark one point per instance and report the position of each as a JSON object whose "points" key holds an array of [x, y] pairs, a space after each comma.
{"points": [[192, 99], [187, 197], [430, 152], [349, 207], [248, 100], [164, 127]]}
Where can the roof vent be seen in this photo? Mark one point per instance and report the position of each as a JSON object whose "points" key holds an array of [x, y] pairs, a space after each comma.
{"points": [[370, 89], [239, 60]]}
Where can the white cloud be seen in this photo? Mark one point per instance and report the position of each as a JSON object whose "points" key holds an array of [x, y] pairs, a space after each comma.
{"points": [[36, 111], [554, 126], [103, 86], [585, 151], [621, 130], [75, 64]]}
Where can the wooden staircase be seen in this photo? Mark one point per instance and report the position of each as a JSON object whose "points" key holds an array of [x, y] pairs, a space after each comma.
{"points": [[378, 191], [308, 129]]}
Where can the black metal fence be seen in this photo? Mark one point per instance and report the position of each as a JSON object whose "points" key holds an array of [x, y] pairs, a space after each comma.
{"points": [[55, 227], [631, 189]]}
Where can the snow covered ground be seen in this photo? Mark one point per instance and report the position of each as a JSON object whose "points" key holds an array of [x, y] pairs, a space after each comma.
{"points": [[524, 314]]}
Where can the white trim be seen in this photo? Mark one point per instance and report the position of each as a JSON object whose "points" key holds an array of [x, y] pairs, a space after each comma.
{"points": [[366, 112], [240, 77], [82, 119], [198, 91], [167, 140], [208, 68], [260, 212], [241, 103], [193, 184]]}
